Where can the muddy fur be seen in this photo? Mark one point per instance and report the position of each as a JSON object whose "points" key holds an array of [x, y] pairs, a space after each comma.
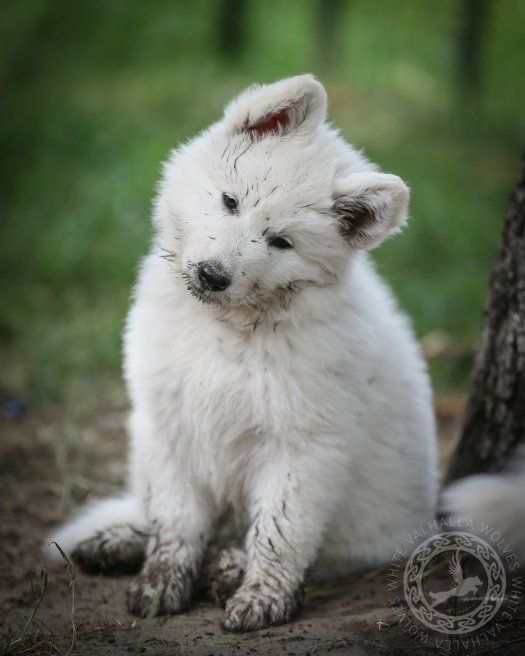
{"points": [[118, 549]]}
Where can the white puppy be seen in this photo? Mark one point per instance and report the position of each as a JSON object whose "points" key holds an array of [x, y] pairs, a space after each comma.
{"points": [[279, 396]]}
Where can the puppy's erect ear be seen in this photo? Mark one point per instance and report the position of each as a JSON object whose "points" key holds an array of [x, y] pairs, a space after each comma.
{"points": [[370, 207], [296, 104]]}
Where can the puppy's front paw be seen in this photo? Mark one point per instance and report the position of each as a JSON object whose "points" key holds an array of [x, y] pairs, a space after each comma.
{"points": [[160, 589], [251, 609]]}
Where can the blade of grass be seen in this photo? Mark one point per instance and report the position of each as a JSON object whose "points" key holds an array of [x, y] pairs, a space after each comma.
{"points": [[71, 569], [37, 600]]}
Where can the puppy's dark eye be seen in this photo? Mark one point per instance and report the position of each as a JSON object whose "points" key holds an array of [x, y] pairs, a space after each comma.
{"points": [[229, 201], [281, 242]]}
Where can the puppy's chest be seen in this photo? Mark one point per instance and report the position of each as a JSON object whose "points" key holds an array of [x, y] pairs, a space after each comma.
{"points": [[229, 387], [230, 402]]}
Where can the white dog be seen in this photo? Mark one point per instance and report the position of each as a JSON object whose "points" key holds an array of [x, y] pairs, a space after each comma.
{"points": [[279, 396]]}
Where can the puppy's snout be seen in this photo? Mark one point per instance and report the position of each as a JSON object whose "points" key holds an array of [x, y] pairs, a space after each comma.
{"points": [[212, 279]]}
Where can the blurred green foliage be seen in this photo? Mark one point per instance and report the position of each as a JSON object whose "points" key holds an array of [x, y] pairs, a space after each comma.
{"points": [[94, 94]]}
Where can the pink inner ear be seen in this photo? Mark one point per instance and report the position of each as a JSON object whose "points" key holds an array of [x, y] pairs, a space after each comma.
{"points": [[271, 123]]}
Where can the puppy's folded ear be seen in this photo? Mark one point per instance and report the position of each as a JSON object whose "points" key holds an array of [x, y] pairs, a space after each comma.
{"points": [[296, 104], [370, 207]]}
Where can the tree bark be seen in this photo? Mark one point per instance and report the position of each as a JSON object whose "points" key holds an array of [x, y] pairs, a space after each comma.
{"points": [[494, 421]]}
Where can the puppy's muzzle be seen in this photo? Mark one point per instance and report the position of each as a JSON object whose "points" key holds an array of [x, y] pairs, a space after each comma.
{"points": [[211, 279]]}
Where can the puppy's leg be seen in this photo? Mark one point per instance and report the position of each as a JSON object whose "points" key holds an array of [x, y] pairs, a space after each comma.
{"points": [[179, 530], [292, 499], [178, 523]]}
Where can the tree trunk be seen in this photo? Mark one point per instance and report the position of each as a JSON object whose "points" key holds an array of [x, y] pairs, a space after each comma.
{"points": [[231, 24], [494, 421], [471, 38], [330, 14]]}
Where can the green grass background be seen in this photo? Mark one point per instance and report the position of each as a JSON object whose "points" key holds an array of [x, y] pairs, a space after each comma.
{"points": [[94, 94]]}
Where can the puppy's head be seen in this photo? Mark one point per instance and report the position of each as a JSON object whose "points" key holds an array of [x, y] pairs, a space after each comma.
{"points": [[270, 200]]}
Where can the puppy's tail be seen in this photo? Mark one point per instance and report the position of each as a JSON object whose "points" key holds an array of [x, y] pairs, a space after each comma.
{"points": [[92, 519], [496, 500]]}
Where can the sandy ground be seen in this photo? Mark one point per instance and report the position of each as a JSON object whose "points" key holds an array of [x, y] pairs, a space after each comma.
{"points": [[51, 462]]}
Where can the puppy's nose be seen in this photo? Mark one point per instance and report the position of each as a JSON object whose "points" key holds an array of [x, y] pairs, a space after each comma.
{"points": [[212, 279]]}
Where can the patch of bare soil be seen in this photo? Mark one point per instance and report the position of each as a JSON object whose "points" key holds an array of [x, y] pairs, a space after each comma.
{"points": [[48, 464]]}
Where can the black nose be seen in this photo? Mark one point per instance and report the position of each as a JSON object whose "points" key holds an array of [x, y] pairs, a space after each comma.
{"points": [[212, 279]]}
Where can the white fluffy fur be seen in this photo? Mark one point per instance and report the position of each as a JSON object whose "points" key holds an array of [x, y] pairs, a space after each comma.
{"points": [[497, 500], [96, 516], [296, 398]]}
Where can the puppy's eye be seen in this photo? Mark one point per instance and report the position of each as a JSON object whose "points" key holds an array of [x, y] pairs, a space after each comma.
{"points": [[229, 201], [281, 242]]}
